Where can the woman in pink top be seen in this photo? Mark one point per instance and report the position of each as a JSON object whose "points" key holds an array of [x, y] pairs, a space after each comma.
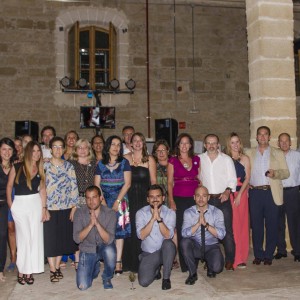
{"points": [[183, 178]]}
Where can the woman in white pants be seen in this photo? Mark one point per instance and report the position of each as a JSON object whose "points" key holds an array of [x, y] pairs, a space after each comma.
{"points": [[29, 211]]}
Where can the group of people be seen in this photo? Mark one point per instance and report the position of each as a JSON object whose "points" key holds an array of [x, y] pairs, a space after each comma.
{"points": [[111, 201]]}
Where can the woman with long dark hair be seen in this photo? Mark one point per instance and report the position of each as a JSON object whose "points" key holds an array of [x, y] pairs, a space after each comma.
{"points": [[8, 154], [29, 210], [97, 143], [183, 179], [113, 175]]}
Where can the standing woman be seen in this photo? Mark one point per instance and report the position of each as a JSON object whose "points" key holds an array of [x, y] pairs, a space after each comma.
{"points": [[97, 146], [71, 138], [8, 154], [113, 175], [29, 211], [239, 199], [183, 179], [62, 198], [143, 172], [85, 168]]}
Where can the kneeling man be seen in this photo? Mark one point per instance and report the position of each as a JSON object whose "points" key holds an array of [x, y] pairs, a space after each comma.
{"points": [[94, 230], [203, 225], [155, 224]]}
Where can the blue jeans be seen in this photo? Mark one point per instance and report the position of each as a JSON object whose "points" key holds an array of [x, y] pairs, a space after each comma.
{"points": [[89, 265]]}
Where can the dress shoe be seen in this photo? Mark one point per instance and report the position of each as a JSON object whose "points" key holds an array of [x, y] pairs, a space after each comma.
{"points": [[158, 276], [191, 279], [211, 274], [280, 255], [166, 284], [257, 261], [267, 262], [229, 266], [297, 258]]}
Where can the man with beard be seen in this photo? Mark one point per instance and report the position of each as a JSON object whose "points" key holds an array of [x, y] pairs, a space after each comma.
{"points": [[155, 224], [94, 231], [203, 227]]}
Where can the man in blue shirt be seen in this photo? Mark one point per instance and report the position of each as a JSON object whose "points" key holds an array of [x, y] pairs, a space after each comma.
{"points": [[211, 220], [155, 224]]}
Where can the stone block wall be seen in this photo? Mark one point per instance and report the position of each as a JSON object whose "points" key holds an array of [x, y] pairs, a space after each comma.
{"points": [[219, 104]]}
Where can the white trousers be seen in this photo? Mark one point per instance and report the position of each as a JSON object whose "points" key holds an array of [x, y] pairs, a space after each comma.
{"points": [[27, 214]]}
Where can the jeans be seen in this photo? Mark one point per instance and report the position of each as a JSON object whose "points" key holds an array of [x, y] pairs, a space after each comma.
{"points": [[3, 234], [89, 265]]}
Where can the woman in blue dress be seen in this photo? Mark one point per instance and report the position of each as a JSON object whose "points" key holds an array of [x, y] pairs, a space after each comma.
{"points": [[113, 175]]}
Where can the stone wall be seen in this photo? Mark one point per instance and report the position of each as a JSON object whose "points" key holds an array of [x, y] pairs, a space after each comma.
{"points": [[219, 104]]}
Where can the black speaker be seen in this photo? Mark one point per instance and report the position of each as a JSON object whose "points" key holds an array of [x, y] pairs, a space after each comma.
{"points": [[27, 127], [166, 129]]}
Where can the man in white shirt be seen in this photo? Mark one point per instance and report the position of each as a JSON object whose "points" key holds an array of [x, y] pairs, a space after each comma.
{"points": [[47, 134], [219, 176], [127, 133], [291, 201]]}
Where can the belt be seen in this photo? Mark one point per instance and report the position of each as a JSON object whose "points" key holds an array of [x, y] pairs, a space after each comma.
{"points": [[290, 187], [260, 187], [215, 195]]}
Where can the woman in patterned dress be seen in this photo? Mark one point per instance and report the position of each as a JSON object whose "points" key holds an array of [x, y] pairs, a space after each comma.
{"points": [[113, 175], [62, 198]]}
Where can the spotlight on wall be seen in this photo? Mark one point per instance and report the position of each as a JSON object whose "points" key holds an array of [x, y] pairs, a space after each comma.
{"points": [[82, 83], [130, 84], [114, 84], [65, 82]]}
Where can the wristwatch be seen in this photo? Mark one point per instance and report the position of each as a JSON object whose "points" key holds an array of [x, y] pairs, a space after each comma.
{"points": [[160, 221], [206, 226]]}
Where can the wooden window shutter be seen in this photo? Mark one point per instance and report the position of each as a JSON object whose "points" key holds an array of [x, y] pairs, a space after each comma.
{"points": [[112, 52], [73, 53]]}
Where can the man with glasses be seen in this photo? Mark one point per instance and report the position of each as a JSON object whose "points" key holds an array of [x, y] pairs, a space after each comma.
{"points": [[155, 224], [219, 176], [127, 133]]}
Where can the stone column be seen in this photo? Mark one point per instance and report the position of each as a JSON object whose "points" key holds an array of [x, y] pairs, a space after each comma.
{"points": [[271, 67]]}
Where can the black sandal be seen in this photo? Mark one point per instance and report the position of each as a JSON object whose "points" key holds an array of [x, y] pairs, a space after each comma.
{"points": [[76, 265], [59, 274], [29, 280], [53, 277], [21, 280], [120, 271]]}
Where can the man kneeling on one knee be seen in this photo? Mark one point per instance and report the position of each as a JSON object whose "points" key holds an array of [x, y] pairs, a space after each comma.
{"points": [[155, 224], [203, 225], [94, 230]]}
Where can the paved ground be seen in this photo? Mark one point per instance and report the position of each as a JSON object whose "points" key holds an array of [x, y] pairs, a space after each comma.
{"points": [[279, 281]]}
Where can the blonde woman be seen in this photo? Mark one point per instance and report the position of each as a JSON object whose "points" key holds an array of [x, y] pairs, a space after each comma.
{"points": [[29, 210], [239, 199]]}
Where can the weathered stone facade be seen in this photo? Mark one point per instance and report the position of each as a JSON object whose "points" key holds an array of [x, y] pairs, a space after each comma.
{"points": [[30, 65]]}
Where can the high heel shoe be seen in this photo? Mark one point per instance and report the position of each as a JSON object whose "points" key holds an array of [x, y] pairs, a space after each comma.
{"points": [[120, 270]]}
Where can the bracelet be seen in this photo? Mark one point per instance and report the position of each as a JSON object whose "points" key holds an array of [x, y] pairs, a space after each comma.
{"points": [[206, 225], [119, 201]]}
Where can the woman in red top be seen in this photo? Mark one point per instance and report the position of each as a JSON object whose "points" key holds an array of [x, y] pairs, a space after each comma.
{"points": [[183, 178]]}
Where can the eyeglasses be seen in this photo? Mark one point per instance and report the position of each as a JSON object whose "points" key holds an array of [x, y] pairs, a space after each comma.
{"points": [[160, 151], [82, 148], [57, 147]]}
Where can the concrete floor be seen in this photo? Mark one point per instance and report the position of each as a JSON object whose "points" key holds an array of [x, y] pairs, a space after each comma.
{"points": [[279, 281]]}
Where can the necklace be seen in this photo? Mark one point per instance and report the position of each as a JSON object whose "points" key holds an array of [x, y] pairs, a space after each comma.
{"points": [[135, 163], [185, 164], [5, 167], [112, 165]]}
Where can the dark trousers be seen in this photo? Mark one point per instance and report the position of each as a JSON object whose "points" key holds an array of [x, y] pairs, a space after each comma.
{"points": [[228, 241], [290, 209], [3, 234], [150, 263], [182, 203], [191, 252], [263, 215]]}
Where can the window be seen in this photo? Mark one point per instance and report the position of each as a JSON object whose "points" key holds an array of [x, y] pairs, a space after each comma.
{"points": [[92, 55]]}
